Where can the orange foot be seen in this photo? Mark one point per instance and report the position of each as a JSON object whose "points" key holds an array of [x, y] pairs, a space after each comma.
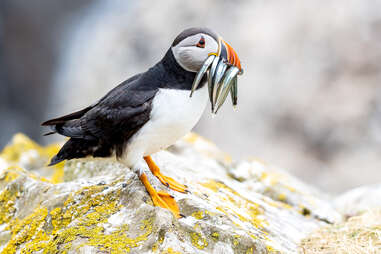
{"points": [[166, 180], [161, 198]]}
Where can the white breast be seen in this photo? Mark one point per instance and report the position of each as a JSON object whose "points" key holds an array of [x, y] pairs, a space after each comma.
{"points": [[173, 115]]}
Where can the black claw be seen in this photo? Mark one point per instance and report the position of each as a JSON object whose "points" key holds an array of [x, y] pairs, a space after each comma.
{"points": [[187, 191], [171, 196], [167, 184], [182, 215]]}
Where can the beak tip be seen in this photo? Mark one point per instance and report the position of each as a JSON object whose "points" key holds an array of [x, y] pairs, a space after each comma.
{"points": [[232, 56]]}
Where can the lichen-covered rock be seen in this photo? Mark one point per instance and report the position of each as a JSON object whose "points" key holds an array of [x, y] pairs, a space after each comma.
{"points": [[99, 206]]}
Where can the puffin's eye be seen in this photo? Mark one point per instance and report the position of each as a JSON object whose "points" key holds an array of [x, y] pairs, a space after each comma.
{"points": [[201, 43]]}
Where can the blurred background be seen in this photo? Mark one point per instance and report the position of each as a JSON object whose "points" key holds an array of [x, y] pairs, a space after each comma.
{"points": [[309, 101]]}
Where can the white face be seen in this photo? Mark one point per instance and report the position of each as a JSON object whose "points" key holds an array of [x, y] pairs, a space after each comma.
{"points": [[191, 52]]}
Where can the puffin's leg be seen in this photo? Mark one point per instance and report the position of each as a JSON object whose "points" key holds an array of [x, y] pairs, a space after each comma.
{"points": [[161, 198], [168, 181]]}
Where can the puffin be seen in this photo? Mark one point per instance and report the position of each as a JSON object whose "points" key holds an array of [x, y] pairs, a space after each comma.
{"points": [[147, 113]]}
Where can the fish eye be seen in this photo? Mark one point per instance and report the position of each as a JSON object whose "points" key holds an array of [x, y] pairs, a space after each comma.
{"points": [[201, 43]]}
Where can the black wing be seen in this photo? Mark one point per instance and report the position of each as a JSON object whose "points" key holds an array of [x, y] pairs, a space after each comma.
{"points": [[80, 113], [106, 125], [118, 117]]}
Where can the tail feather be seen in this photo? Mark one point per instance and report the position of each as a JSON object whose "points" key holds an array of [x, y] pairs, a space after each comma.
{"points": [[72, 129], [49, 133], [69, 125], [64, 119], [81, 143], [76, 148], [55, 160]]}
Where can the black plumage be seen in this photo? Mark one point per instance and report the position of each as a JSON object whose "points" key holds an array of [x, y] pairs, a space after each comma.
{"points": [[106, 126]]}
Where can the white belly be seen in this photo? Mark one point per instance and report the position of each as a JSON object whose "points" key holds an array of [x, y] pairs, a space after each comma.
{"points": [[173, 115]]}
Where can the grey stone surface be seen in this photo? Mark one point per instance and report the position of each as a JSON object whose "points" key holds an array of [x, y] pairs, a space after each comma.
{"points": [[100, 206]]}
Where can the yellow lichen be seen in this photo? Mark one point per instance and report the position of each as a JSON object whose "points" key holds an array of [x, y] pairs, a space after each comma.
{"points": [[228, 159], [170, 251], [276, 178], [238, 208], [155, 247], [15, 171], [290, 188], [279, 204], [304, 211], [117, 241], [161, 239], [253, 236], [27, 229], [215, 236], [21, 144], [81, 216], [198, 241], [191, 137], [282, 197], [263, 176], [250, 250], [9, 176], [58, 175], [236, 239], [235, 204], [7, 199], [219, 208], [198, 215], [213, 185], [270, 249], [91, 209]]}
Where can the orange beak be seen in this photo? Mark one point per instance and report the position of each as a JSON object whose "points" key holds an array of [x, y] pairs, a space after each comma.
{"points": [[230, 55]]}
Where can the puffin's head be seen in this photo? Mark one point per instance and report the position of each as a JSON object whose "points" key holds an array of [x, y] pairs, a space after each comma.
{"points": [[193, 46]]}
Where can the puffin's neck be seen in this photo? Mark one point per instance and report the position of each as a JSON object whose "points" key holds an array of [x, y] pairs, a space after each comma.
{"points": [[179, 77]]}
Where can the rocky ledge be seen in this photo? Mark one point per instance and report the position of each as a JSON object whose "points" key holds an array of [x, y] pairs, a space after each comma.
{"points": [[99, 206]]}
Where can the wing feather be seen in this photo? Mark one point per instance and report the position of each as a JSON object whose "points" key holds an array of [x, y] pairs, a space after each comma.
{"points": [[113, 119], [64, 119]]}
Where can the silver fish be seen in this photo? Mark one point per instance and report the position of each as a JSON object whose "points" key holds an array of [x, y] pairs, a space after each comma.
{"points": [[222, 79], [201, 72], [210, 80], [226, 85], [234, 92], [219, 74]]}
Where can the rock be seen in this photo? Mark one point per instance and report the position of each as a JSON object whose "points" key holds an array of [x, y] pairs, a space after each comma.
{"points": [[99, 206], [359, 200], [359, 234]]}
